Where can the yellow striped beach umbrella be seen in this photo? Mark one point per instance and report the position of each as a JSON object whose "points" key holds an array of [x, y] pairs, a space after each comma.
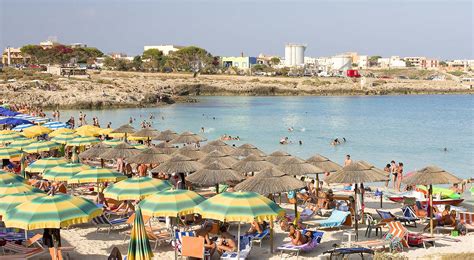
{"points": [[139, 246], [112, 142], [88, 130], [64, 172], [8, 138], [36, 130], [64, 138], [60, 131], [9, 153], [21, 143], [42, 165], [171, 203], [41, 146], [7, 131], [83, 141], [53, 211], [137, 138], [10, 201], [135, 188], [106, 131], [96, 175], [17, 187], [8, 177]]}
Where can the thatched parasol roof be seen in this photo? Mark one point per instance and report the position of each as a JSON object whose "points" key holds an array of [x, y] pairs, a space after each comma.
{"points": [[357, 172], [122, 150], [191, 152], [166, 148], [216, 156], [166, 135], [149, 156], [431, 175], [214, 173], [147, 132], [179, 163], [324, 163], [218, 145], [95, 151], [187, 138], [251, 163], [269, 181], [278, 157], [246, 150], [296, 166], [124, 129]]}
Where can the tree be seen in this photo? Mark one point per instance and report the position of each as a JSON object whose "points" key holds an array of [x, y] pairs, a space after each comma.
{"points": [[109, 62], [193, 59], [137, 63], [443, 63], [275, 61], [156, 59], [409, 63], [373, 60]]}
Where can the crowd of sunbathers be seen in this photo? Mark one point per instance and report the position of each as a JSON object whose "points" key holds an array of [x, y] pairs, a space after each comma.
{"points": [[225, 242], [446, 218]]}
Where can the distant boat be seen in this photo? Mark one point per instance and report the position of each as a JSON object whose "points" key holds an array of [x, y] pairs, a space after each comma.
{"points": [[453, 202]]}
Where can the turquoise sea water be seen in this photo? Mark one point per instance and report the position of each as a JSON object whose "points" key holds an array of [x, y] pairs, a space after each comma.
{"points": [[410, 129]]}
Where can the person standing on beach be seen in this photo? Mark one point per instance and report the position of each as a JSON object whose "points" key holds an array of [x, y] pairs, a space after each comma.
{"points": [[399, 175], [387, 170], [81, 116], [393, 171], [348, 160]]}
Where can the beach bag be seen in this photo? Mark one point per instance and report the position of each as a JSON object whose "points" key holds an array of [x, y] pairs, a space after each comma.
{"points": [[395, 243], [415, 239]]}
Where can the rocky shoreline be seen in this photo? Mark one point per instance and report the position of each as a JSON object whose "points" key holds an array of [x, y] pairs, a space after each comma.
{"points": [[110, 89]]}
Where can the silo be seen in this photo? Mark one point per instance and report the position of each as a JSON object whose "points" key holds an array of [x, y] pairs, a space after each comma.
{"points": [[341, 62], [294, 54]]}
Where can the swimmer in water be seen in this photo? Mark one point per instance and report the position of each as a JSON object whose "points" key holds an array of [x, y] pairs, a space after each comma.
{"points": [[202, 129], [445, 149], [290, 129]]}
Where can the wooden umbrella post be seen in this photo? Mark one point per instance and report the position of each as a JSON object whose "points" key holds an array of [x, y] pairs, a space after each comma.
{"points": [[356, 225], [431, 208], [317, 186], [271, 237]]}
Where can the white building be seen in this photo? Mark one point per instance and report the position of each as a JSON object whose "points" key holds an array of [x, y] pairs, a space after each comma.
{"points": [[363, 62], [392, 62], [166, 49], [310, 61], [294, 54], [341, 63]]}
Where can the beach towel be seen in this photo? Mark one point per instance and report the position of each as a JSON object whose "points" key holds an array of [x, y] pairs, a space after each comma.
{"points": [[336, 219], [315, 241]]}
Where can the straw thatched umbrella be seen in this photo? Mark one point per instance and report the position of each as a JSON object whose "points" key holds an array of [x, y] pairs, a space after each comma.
{"points": [[246, 150], [428, 176], [251, 163], [122, 150], [215, 174], [278, 157], [191, 152], [166, 148], [148, 132], [323, 163], [124, 129], [296, 166], [166, 136], [188, 138], [149, 156], [216, 156], [179, 164], [218, 145], [95, 151], [357, 172]]}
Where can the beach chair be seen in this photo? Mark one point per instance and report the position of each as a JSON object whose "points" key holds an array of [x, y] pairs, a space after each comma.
{"points": [[194, 247], [467, 219], [337, 252], [259, 237], [178, 235], [336, 220], [373, 224], [245, 247], [409, 216], [103, 222], [387, 216], [306, 214], [291, 249]]}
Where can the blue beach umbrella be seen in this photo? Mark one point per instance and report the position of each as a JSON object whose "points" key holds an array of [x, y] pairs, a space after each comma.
{"points": [[21, 127], [13, 121], [55, 125], [8, 112]]}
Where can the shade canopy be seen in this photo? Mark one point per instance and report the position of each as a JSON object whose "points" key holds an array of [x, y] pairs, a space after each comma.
{"points": [[218, 145], [178, 163], [149, 156], [64, 138], [95, 151], [166, 136], [88, 130], [431, 175], [239, 206], [246, 150], [135, 188], [64, 172], [60, 131], [187, 138], [52, 212], [191, 152], [10, 201], [251, 163], [147, 132], [9, 153], [96, 175], [139, 246], [270, 181], [216, 156], [17, 187], [21, 143], [36, 130], [214, 173], [42, 165], [357, 172], [83, 141], [122, 150], [11, 137], [296, 166], [278, 157], [124, 129], [171, 203], [8, 177], [324, 163], [167, 148], [41, 146]]}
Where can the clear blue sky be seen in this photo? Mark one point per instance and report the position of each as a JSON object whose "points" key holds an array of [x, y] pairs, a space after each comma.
{"points": [[438, 29]]}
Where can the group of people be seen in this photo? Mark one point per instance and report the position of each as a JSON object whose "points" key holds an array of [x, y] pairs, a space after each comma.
{"points": [[395, 173], [338, 141], [225, 243]]}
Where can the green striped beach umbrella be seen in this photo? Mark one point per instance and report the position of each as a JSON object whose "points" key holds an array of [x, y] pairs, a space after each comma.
{"points": [[139, 246], [20, 144], [41, 146], [64, 138], [96, 175], [64, 172], [83, 141], [140, 146], [10, 201], [9, 153], [17, 187], [171, 203], [42, 165], [53, 211], [8, 177], [135, 188], [8, 138], [112, 142]]}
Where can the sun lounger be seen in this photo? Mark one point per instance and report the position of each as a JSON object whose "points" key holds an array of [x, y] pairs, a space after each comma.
{"points": [[103, 222], [409, 216], [337, 219], [388, 216], [336, 252], [306, 214], [290, 249], [259, 237], [245, 247], [178, 235], [467, 218]]}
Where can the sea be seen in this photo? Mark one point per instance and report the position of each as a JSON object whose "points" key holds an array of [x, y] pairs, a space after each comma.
{"points": [[418, 130]]}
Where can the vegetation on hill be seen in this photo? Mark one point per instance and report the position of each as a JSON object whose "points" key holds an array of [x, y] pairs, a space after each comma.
{"points": [[61, 54]]}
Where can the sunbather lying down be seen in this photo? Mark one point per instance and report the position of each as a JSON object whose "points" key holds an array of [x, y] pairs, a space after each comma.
{"points": [[297, 238], [256, 227]]}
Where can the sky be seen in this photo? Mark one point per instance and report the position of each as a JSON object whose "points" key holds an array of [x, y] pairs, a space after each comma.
{"points": [[440, 29]]}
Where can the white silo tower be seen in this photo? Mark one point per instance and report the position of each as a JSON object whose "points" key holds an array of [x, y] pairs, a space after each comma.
{"points": [[294, 54]]}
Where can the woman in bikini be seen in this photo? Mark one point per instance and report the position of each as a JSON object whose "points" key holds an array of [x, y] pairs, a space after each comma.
{"points": [[296, 237], [227, 242]]}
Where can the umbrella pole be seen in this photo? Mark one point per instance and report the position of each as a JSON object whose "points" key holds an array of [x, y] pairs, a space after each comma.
{"points": [[431, 209], [317, 187], [355, 213], [271, 237], [238, 242], [217, 188], [102, 163]]}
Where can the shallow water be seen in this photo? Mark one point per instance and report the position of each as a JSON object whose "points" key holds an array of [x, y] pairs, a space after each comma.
{"points": [[411, 129]]}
